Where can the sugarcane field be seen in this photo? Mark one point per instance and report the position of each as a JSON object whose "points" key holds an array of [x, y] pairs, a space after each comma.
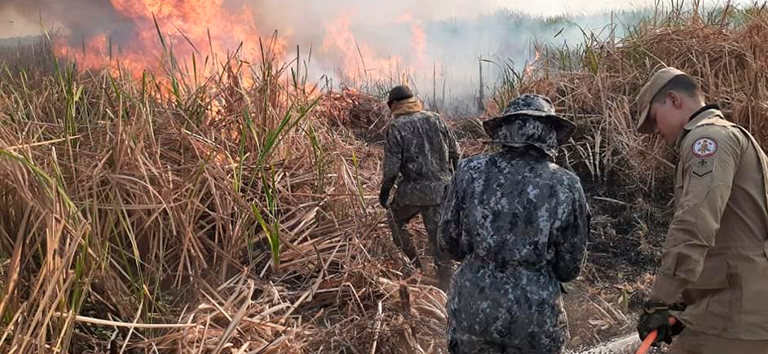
{"points": [[295, 176]]}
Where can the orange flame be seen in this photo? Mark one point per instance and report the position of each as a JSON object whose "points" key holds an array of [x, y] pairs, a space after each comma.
{"points": [[419, 42], [358, 62], [199, 27], [213, 28], [95, 53], [529, 67], [193, 18]]}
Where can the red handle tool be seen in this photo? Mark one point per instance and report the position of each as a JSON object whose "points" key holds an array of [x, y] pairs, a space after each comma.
{"points": [[648, 342]]}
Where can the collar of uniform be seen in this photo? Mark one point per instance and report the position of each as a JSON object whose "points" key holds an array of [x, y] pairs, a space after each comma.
{"points": [[704, 114], [405, 107]]}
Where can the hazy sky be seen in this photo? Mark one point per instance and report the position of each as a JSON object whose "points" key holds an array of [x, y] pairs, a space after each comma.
{"points": [[557, 7], [12, 25]]}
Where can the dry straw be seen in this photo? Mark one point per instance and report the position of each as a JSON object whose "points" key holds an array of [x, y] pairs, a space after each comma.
{"points": [[236, 213]]}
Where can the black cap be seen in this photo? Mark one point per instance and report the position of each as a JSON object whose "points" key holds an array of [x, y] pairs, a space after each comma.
{"points": [[399, 93]]}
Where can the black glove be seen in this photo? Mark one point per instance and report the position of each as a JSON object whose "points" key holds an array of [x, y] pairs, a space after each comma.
{"points": [[384, 198], [655, 316], [678, 306], [678, 327]]}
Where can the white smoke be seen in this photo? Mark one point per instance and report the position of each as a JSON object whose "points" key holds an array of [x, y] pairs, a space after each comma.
{"points": [[457, 33]]}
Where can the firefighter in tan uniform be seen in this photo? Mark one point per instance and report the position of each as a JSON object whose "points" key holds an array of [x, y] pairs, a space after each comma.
{"points": [[714, 269]]}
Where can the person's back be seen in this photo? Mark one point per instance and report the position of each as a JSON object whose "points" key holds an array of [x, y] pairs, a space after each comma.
{"points": [[420, 148], [519, 215], [522, 200], [424, 144], [518, 223]]}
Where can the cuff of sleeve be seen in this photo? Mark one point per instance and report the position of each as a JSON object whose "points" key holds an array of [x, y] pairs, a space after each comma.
{"points": [[666, 288], [387, 184]]}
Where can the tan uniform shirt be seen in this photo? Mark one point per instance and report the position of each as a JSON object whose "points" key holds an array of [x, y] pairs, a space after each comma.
{"points": [[715, 254]]}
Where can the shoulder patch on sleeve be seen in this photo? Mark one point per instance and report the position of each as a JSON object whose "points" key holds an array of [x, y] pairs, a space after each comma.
{"points": [[704, 147], [703, 167]]}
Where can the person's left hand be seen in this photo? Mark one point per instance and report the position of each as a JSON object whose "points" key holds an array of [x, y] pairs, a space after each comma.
{"points": [[384, 199], [655, 317]]}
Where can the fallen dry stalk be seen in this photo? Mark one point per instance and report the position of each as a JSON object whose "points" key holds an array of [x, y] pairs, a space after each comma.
{"points": [[96, 321]]}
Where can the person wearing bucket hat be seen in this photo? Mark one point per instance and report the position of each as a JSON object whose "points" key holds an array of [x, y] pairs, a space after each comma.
{"points": [[715, 256], [518, 223], [421, 152], [540, 126]]}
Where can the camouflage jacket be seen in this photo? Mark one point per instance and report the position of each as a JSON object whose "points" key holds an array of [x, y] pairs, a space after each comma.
{"points": [[422, 149], [519, 224]]}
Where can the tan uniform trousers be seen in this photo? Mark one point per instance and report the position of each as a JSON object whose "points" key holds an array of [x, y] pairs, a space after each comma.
{"points": [[692, 342]]}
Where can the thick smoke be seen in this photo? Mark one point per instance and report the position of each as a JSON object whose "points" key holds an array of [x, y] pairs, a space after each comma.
{"points": [[79, 18], [436, 43], [457, 33]]}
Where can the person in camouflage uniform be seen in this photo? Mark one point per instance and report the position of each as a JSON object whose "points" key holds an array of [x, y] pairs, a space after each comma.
{"points": [[518, 223], [420, 154]]}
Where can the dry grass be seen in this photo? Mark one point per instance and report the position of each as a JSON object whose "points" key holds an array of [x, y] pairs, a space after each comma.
{"points": [[596, 84], [629, 176], [164, 215], [236, 213]]}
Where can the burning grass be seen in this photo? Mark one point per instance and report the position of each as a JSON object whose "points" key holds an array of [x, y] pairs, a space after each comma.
{"points": [[236, 213], [164, 216]]}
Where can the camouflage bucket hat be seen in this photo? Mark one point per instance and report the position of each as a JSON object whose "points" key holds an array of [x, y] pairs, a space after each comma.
{"points": [[536, 107]]}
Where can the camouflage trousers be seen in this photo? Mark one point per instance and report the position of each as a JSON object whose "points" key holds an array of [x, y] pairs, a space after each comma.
{"points": [[399, 216], [536, 341], [546, 343]]}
